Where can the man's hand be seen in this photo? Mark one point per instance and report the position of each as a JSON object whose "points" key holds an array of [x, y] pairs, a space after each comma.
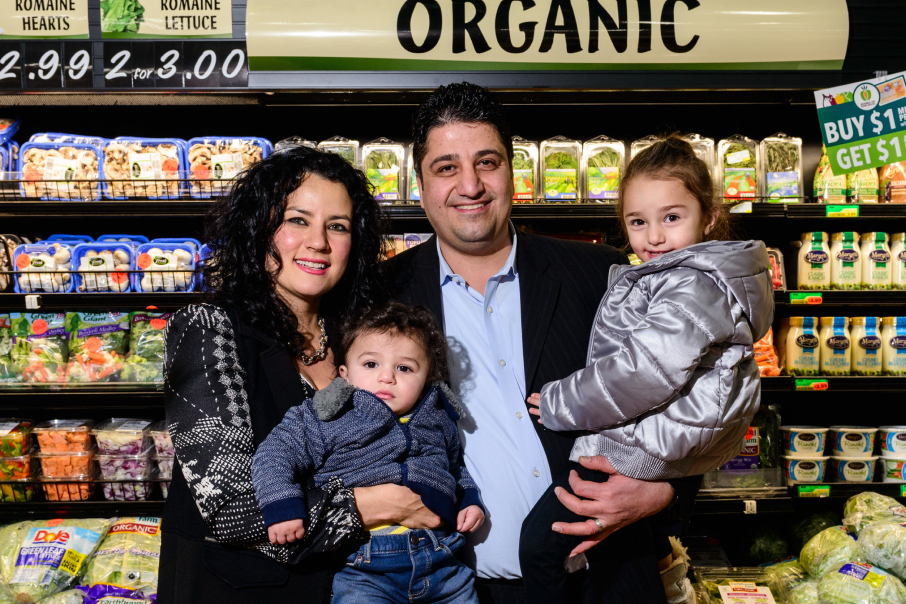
{"points": [[535, 409], [469, 519], [285, 532], [393, 504], [616, 503]]}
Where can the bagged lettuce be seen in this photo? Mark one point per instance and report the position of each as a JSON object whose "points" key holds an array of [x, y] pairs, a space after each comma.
{"points": [[127, 558], [868, 507], [829, 547], [857, 583], [43, 557], [145, 361], [884, 544], [789, 579]]}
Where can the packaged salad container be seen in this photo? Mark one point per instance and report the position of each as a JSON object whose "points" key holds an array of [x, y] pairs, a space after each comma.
{"points": [[123, 436], [780, 172], [602, 165], [720, 584], [64, 435], [15, 437], [294, 141], [40, 346], [560, 156], [102, 267], [144, 167], [74, 488], [345, 148], [7, 371], [213, 161], [383, 161], [97, 345], [160, 434], [738, 158], [164, 267], [16, 468], [145, 360], [126, 468], [525, 170], [704, 150], [67, 465], [43, 268], [641, 144], [414, 195], [61, 171], [165, 471]]}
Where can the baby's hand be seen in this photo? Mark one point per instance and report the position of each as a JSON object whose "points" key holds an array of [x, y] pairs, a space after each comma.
{"points": [[535, 401], [286, 532], [469, 519]]}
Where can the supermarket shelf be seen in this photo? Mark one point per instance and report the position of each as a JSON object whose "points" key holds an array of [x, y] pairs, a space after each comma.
{"points": [[866, 210], [843, 298], [109, 301], [29, 398], [40, 510], [709, 505], [107, 209], [838, 384]]}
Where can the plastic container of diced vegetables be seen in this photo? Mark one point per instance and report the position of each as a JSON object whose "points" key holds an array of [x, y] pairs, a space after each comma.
{"points": [[165, 471], [128, 469], [64, 435], [68, 489], [16, 474], [123, 436], [161, 437], [16, 468], [21, 490], [67, 465], [16, 437]]}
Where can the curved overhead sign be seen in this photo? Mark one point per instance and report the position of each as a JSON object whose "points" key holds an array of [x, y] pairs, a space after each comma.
{"points": [[504, 35]]}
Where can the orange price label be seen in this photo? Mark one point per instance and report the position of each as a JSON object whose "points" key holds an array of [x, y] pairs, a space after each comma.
{"points": [[22, 260], [39, 326], [118, 277], [143, 261], [158, 323]]}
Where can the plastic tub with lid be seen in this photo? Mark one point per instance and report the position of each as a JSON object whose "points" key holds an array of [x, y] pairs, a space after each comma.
{"points": [[15, 437], [853, 469], [893, 441], [128, 469], [804, 441], [123, 436], [852, 441], [66, 465], [64, 435], [161, 437], [804, 469]]}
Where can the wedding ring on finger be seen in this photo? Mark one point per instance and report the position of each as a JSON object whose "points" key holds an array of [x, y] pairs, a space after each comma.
{"points": [[600, 525]]}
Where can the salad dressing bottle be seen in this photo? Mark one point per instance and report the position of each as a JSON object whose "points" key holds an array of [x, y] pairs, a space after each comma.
{"points": [[846, 264], [836, 353], [814, 257], [893, 339], [876, 271], [866, 340], [802, 347], [898, 260]]}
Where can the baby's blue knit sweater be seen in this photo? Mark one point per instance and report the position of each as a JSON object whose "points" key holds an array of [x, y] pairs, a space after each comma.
{"points": [[354, 435]]}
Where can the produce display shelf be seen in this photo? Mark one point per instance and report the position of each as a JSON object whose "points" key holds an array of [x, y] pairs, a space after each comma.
{"points": [[866, 210], [896, 298], [706, 504], [106, 301], [837, 384], [70, 399], [42, 510]]}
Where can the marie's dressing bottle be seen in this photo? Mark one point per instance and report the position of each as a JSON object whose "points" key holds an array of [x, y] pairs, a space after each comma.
{"points": [[836, 352], [898, 260], [894, 345], [814, 265], [846, 265], [802, 347], [866, 346], [876, 271]]}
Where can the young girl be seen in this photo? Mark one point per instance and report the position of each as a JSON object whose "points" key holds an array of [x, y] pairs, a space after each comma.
{"points": [[671, 383]]}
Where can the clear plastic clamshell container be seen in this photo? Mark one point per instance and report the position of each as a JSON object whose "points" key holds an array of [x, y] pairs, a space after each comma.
{"points": [[61, 171], [294, 141], [641, 144], [144, 167], [15, 437], [383, 161], [67, 489], [738, 158], [704, 150], [70, 238], [214, 161], [719, 584], [345, 148], [102, 267], [780, 171], [67, 465], [128, 469], [123, 436], [165, 471], [16, 468], [164, 267], [160, 434], [602, 166], [560, 158], [414, 194], [64, 435], [43, 268], [8, 128], [525, 170]]}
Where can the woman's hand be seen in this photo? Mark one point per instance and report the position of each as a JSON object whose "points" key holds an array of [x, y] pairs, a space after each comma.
{"points": [[535, 409], [393, 504]]}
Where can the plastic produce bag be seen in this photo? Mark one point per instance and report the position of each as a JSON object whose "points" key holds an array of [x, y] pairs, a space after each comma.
{"points": [[41, 558], [884, 544], [97, 345], [829, 547], [7, 373], [789, 579], [40, 346], [857, 583], [717, 585], [813, 524], [145, 362], [127, 558], [867, 507]]}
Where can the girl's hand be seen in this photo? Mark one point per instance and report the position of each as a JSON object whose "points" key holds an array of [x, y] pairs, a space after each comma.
{"points": [[393, 504], [535, 401], [469, 519], [286, 532]]}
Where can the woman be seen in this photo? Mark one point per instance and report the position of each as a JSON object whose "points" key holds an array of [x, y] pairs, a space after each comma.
{"points": [[295, 251]]}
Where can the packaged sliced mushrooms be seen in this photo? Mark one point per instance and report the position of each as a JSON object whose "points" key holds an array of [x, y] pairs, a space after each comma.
{"points": [[43, 268], [12, 148], [738, 158], [144, 167], [215, 160], [102, 267], [525, 170], [561, 168], [61, 171], [602, 165], [164, 267], [345, 148], [383, 160], [780, 176], [642, 144]]}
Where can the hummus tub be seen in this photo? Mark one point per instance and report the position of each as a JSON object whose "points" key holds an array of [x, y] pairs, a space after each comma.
{"points": [[804, 469], [804, 441], [893, 441], [852, 441], [853, 469]]}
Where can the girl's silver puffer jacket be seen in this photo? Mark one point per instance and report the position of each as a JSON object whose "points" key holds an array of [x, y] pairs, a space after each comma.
{"points": [[671, 382]]}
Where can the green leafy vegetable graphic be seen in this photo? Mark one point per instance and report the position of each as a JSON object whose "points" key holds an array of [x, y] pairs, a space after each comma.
{"points": [[121, 15]]}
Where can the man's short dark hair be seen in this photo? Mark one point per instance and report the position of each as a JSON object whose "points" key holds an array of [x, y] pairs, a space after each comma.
{"points": [[461, 103], [416, 322]]}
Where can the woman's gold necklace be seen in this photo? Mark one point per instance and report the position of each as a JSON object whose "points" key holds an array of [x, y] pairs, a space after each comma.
{"points": [[321, 352]]}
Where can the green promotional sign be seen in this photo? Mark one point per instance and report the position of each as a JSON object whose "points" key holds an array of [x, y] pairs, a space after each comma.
{"points": [[863, 125]]}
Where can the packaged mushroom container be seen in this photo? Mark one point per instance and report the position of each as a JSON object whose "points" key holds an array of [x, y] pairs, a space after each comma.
{"points": [[525, 170], [345, 148], [560, 157], [61, 171], [602, 164], [383, 160], [214, 161], [8, 128], [144, 167], [102, 267], [70, 238], [43, 268], [98, 342], [4, 161], [164, 267], [12, 156], [133, 241], [61, 137]]}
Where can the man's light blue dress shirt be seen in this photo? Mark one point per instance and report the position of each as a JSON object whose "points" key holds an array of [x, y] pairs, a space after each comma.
{"points": [[502, 449]]}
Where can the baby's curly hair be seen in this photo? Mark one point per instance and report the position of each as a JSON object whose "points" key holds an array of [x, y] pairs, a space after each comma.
{"points": [[416, 322]]}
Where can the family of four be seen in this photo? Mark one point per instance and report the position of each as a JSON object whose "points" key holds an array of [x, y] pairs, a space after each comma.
{"points": [[440, 427]]}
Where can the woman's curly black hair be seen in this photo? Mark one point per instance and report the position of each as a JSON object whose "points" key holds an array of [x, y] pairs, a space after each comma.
{"points": [[241, 229]]}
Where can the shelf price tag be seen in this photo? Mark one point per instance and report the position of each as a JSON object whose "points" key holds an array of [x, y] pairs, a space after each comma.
{"points": [[814, 490], [903, 490], [810, 385], [806, 298], [842, 211]]}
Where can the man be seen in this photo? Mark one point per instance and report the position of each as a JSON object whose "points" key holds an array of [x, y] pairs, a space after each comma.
{"points": [[517, 310]]}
